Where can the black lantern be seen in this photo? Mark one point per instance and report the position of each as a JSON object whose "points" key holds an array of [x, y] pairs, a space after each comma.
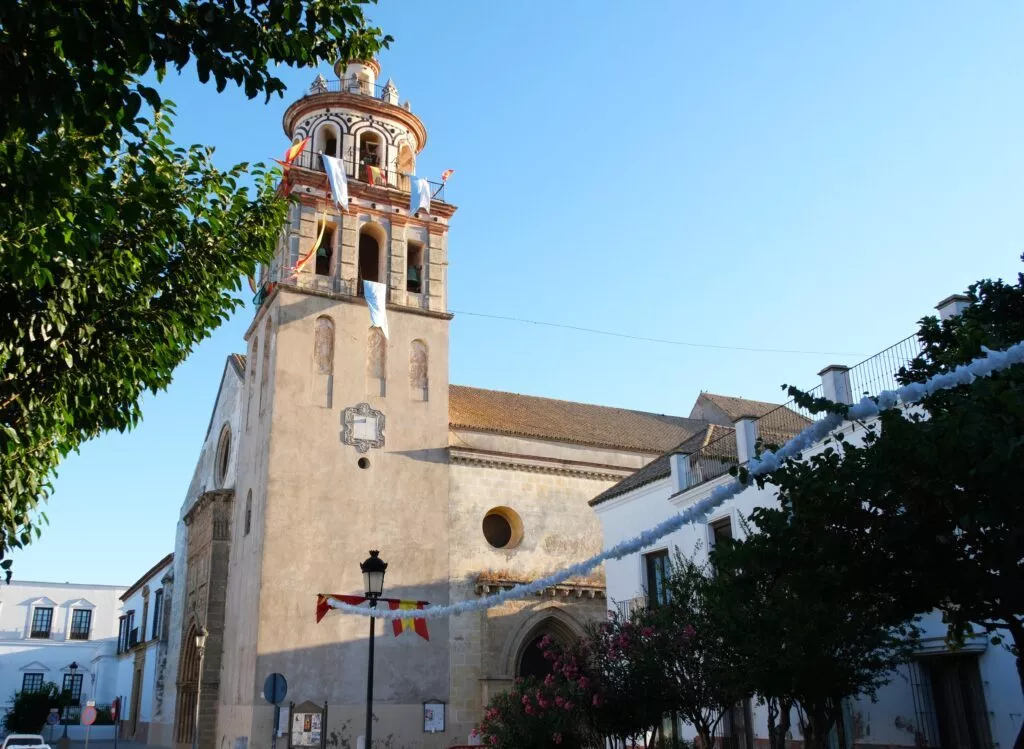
{"points": [[373, 575]]}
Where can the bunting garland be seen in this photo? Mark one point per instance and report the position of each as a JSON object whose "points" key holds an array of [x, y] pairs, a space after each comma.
{"points": [[325, 602]]}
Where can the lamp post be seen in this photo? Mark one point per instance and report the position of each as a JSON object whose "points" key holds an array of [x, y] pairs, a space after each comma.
{"points": [[72, 669], [201, 636], [373, 582]]}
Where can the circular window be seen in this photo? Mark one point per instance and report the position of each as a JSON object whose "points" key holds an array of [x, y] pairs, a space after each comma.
{"points": [[363, 462], [503, 528], [223, 456]]}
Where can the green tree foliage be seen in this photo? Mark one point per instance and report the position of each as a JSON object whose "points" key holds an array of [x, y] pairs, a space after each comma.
{"points": [[29, 709], [797, 630], [119, 251]]}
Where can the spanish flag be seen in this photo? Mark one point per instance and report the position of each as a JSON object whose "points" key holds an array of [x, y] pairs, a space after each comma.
{"points": [[446, 174], [375, 176], [316, 246], [323, 603], [293, 153], [401, 625]]}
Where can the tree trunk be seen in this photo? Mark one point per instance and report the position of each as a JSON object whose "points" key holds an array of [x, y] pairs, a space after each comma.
{"points": [[779, 722], [818, 726]]}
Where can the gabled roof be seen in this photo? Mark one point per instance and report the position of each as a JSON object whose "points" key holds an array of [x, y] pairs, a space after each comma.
{"points": [[659, 468], [736, 408], [566, 421]]}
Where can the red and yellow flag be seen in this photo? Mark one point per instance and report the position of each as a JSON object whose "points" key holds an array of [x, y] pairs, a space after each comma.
{"points": [[323, 605], [316, 246], [446, 174], [402, 625], [375, 175], [293, 153]]}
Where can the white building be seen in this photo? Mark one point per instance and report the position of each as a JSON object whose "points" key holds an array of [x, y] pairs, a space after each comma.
{"points": [[968, 698], [46, 628], [142, 649]]}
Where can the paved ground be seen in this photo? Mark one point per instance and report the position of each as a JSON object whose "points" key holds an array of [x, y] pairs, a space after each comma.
{"points": [[121, 744]]}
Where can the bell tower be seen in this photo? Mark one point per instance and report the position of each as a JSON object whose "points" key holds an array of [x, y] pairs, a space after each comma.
{"points": [[345, 429]]}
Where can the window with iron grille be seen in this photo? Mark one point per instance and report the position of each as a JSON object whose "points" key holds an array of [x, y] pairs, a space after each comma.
{"points": [[73, 686], [81, 620], [31, 682], [42, 619]]}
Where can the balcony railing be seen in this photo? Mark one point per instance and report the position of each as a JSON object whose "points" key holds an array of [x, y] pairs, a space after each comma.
{"points": [[351, 86], [629, 608], [332, 284], [356, 170]]}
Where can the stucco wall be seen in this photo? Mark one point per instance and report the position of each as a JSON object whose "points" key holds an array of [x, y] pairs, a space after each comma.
{"points": [[558, 528]]}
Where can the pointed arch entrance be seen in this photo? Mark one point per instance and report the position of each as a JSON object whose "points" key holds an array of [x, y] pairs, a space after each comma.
{"points": [[527, 655], [188, 685]]}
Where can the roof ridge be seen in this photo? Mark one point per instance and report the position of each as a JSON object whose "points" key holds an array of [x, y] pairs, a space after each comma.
{"points": [[577, 403]]}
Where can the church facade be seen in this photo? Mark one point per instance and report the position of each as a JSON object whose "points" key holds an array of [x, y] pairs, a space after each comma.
{"points": [[328, 439]]}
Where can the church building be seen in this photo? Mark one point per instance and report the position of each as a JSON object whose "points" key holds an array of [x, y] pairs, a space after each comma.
{"points": [[329, 438]]}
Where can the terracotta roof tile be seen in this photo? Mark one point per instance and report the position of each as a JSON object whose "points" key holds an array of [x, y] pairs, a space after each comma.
{"points": [[737, 408], [659, 468], [566, 421]]}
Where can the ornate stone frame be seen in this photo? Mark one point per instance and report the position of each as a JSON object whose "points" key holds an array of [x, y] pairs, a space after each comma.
{"points": [[348, 427]]}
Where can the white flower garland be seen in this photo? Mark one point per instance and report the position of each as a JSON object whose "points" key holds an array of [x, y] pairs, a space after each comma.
{"points": [[992, 361]]}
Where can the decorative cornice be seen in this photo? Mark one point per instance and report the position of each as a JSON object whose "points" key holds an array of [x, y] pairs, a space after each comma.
{"points": [[349, 299], [320, 191], [356, 103], [563, 590], [206, 498], [506, 461]]}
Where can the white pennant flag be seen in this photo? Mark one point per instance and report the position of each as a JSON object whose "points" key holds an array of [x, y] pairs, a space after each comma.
{"points": [[335, 169], [375, 294], [419, 197]]}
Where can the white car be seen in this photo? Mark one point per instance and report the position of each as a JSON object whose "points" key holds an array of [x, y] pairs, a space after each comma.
{"points": [[33, 740]]}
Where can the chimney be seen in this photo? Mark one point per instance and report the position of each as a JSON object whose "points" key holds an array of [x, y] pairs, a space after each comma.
{"points": [[835, 384], [746, 437], [680, 466], [952, 306]]}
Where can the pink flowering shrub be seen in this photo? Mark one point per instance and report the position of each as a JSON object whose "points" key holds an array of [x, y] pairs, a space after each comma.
{"points": [[608, 684]]}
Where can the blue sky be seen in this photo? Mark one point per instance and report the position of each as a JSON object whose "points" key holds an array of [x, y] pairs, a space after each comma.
{"points": [[778, 175]]}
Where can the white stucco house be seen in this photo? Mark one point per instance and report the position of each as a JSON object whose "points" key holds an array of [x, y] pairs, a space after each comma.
{"points": [[142, 649], [967, 698], [62, 633]]}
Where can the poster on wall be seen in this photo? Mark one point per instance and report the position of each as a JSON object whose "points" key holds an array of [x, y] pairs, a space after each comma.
{"points": [[433, 717], [306, 729]]}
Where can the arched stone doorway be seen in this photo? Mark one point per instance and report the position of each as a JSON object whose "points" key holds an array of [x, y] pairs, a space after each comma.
{"points": [[530, 660], [188, 682]]}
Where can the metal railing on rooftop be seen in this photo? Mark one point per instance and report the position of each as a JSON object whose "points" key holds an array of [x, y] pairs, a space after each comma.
{"points": [[357, 169], [351, 86], [878, 373]]}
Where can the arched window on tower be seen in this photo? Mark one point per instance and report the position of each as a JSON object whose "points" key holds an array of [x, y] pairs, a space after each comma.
{"points": [[376, 362], [418, 371], [265, 371], [327, 140], [406, 165], [323, 361], [371, 239], [414, 267], [253, 361], [325, 253], [371, 151]]}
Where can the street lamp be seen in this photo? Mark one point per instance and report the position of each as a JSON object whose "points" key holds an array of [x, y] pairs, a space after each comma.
{"points": [[72, 668], [373, 582], [201, 636]]}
